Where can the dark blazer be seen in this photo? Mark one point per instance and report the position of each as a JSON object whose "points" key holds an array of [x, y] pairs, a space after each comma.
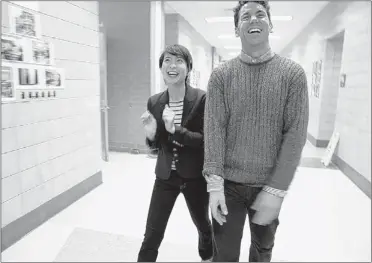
{"points": [[188, 138]]}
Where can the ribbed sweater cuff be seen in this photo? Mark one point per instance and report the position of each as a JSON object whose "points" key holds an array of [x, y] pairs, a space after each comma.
{"points": [[274, 191], [281, 180], [213, 168], [215, 183]]}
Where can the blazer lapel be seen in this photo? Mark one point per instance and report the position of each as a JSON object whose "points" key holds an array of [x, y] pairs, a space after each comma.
{"points": [[188, 104], [163, 100]]}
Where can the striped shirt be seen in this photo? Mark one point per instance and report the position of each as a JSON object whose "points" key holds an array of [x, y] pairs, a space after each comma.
{"points": [[177, 107]]}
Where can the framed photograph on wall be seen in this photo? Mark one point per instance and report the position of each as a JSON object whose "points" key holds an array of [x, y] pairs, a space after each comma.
{"points": [[28, 77], [54, 78], [24, 22], [41, 52], [13, 49], [7, 82], [316, 78]]}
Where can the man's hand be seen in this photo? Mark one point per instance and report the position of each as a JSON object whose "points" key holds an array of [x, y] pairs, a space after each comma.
{"points": [[218, 207], [267, 208], [149, 123], [168, 118]]}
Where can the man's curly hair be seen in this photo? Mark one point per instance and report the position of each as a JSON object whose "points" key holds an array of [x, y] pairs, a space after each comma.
{"points": [[240, 4]]}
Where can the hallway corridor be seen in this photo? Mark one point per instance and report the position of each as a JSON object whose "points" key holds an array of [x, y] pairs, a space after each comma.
{"points": [[325, 218]]}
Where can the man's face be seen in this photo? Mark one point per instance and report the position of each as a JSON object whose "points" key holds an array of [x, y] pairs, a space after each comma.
{"points": [[174, 69], [254, 24]]}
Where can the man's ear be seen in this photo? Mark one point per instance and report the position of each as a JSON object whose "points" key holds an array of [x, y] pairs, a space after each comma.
{"points": [[271, 28], [237, 32]]}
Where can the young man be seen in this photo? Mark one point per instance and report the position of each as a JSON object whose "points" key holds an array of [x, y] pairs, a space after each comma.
{"points": [[256, 121], [173, 124]]}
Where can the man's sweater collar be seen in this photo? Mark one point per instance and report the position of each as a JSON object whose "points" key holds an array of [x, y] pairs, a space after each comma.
{"points": [[250, 60]]}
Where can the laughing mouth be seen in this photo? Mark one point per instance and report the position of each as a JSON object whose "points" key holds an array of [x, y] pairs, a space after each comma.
{"points": [[254, 30], [172, 73]]}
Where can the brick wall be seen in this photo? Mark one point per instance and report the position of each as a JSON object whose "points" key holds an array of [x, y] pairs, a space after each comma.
{"points": [[49, 146], [353, 111]]}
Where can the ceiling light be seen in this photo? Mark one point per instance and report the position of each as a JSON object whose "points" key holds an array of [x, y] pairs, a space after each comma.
{"points": [[230, 19], [233, 36]]}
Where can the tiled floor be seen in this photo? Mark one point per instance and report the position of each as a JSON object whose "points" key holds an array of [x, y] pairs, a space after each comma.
{"points": [[324, 218]]}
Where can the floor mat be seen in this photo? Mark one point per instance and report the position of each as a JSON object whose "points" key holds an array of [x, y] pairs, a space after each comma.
{"points": [[84, 245]]}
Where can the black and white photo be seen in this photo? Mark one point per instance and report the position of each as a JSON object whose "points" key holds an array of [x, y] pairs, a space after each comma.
{"points": [[41, 52], [316, 78], [54, 78], [12, 49], [24, 22], [186, 131], [7, 83], [28, 77]]}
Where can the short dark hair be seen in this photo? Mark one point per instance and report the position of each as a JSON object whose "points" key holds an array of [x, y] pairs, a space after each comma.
{"points": [[240, 4], [177, 50]]}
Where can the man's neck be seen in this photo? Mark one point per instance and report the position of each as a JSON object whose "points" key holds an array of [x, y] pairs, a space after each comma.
{"points": [[176, 92], [256, 51]]}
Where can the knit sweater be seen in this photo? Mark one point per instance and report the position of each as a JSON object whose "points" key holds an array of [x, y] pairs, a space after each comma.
{"points": [[256, 118]]}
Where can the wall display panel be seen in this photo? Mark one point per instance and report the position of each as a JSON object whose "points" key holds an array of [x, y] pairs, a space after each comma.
{"points": [[24, 22], [8, 92]]}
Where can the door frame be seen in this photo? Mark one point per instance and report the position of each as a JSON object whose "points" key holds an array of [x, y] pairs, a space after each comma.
{"points": [[103, 92]]}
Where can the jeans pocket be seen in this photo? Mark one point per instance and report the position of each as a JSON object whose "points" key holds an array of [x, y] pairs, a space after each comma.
{"points": [[233, 190]]}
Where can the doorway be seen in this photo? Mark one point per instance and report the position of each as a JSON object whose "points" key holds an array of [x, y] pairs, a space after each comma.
{"points": [[331, 85]]}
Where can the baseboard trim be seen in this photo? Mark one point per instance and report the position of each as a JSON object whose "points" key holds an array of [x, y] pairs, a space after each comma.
{"points": [[17, 229], [316, 142], [128, 148], [359, 180]]}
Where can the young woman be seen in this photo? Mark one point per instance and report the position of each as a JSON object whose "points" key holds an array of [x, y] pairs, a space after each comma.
{"points": [[173, 124]]}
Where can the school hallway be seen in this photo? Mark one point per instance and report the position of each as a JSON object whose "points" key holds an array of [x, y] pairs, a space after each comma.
{"points": [[325, 218]]}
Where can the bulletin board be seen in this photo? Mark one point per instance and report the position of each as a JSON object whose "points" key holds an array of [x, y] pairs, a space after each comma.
{"points": [[316, 78], [28, 66]]}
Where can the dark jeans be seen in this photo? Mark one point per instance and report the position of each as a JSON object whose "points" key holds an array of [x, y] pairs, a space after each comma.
{"points": [[227, 238], [164, 196]]}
